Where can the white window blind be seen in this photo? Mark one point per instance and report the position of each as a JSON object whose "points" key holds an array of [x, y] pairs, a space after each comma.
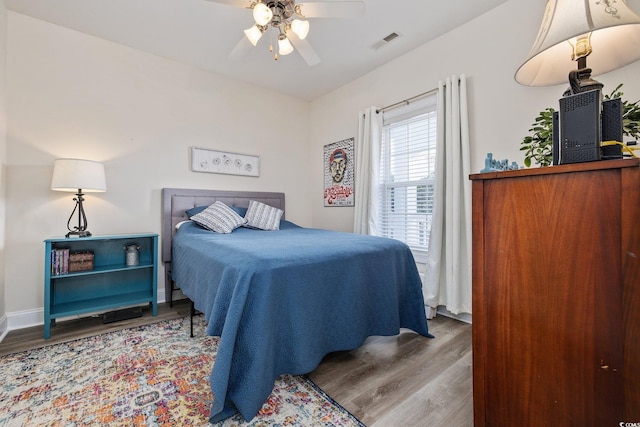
{"points": [[407, 175]]}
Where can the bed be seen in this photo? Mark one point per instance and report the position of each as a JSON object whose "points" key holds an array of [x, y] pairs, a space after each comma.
{"points": [[281, 300]]}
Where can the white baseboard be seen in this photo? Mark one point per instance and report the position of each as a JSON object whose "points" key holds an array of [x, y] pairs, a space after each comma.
{"points": [[25, 318], [463, 317], [4, 328], [35, 317]]}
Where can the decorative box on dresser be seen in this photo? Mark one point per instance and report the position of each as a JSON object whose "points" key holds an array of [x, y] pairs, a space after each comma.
{"points": [[556, 295]]}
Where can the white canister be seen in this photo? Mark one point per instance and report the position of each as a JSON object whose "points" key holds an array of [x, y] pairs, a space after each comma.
{"points": [[132, 255]]}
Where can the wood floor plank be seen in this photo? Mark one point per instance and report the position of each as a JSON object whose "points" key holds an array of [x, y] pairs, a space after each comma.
{"points": [[380, 384], [377, 355], [403, 380], [69, 330], [446, 400], [386, 374]]}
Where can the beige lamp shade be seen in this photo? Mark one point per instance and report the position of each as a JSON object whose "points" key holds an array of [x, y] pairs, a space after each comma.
{"points": [[614, 34], [74, 174]]}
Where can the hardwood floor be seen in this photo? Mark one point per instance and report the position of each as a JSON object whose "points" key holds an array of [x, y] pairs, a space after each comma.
{"points": [[404, 380], [28, 338]]}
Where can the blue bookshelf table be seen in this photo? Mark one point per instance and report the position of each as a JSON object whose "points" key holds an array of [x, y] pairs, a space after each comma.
{"points": [[109, 284]]}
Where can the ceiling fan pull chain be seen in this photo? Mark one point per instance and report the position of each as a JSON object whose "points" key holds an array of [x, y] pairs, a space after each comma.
{"points": [[270, 42], [271, 49]]}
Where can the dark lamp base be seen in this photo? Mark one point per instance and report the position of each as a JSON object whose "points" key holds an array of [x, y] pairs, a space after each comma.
{"points": [[83, 233]]}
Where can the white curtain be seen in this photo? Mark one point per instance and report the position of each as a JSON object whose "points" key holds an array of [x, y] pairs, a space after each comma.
{"points": [[448, 271], [366, 169]]}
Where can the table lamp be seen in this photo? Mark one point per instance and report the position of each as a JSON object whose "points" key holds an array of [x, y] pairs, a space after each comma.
{"points": [[76, 175], [606, 31]]}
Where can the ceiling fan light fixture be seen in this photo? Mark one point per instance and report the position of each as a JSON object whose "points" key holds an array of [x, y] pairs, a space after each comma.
{"points": [[301, 28], [262, 14], [253, 34], [290, 24], [284, 45]]}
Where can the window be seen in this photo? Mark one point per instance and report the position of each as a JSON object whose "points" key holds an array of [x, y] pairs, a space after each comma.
{"points": [[407, 175]]}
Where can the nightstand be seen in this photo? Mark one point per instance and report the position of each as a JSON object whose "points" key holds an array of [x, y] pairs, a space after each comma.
{"points": [[107, 282]]}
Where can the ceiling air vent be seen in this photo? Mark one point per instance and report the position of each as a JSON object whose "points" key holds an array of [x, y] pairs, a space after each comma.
{"points": [[385, 40]]}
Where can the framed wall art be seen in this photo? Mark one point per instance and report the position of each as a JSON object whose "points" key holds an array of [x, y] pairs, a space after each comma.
{"points": [[339, 173], [214, 161]]}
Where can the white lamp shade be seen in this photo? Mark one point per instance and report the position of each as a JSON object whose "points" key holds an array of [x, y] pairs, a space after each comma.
{"points": [[301, 28], [284, 46], [74, 174], [262, 14], [253, 34], [615, 39]]}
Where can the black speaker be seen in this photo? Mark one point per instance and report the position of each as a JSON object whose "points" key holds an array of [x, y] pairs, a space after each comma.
{"points": [[612, 128], [122, 314], [579, 119]]}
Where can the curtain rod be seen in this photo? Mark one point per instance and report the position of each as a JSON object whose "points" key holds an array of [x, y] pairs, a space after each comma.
{"points": [[406, 101]]}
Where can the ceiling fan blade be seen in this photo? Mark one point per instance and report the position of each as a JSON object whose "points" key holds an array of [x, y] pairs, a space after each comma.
{"points": [[305, 49], [334, 9], [241, 49], [237, 3]]}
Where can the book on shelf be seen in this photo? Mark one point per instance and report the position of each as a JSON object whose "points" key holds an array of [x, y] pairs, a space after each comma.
{"points": [[59, 261]]}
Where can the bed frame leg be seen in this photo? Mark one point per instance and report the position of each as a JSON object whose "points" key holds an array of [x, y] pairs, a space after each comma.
{"points": [[169, 288], [192, 312]]}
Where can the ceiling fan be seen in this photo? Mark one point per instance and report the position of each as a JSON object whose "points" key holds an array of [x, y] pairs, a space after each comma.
{"points": [[288, 20]]}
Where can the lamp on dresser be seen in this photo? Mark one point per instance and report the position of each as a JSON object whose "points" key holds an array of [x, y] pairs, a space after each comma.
{"points": [[608, 33], [78, 176], [605, 31]]}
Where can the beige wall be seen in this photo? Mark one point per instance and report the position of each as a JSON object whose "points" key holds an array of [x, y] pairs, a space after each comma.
{"points": [[73, 95], [488, 50], [3, 157]]}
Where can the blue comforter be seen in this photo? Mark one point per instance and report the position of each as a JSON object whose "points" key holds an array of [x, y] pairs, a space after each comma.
{"points": [[281, 300]]}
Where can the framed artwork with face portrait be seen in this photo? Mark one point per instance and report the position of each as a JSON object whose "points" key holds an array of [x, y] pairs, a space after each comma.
{"points": [[339, 173]]}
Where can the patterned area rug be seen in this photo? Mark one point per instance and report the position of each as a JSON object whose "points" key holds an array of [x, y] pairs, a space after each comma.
{"points": [[154, 375]]}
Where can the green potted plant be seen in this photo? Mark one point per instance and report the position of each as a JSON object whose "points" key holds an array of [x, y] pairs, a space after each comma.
{"points": [[537, 146]]}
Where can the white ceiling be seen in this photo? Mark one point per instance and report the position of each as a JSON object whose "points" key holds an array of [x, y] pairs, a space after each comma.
{"points": [[203, 33]]}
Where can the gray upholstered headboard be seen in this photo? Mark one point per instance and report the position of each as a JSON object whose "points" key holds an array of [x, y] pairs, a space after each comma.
{"points": [[175, 202]]}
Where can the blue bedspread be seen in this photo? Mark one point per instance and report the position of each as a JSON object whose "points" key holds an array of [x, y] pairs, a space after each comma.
{"points": [[281, 300]]}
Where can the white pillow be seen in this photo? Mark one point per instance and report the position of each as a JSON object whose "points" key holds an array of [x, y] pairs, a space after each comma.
{"points": [[181, 223], [263, 217], [219, 218]]}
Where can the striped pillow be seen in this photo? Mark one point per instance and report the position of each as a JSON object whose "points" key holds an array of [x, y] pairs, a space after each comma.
{"points": [[263, 217], [219, 218]]}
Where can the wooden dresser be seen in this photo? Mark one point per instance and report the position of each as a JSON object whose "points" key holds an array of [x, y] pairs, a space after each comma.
{"points": [[556, 295]]}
